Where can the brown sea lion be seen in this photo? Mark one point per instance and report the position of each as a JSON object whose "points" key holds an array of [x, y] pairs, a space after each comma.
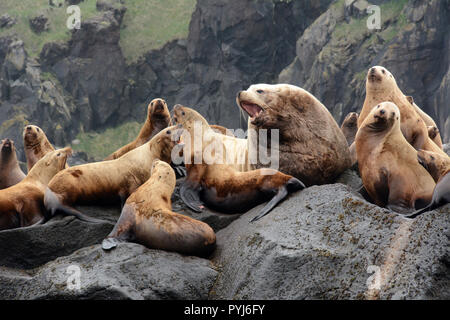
{"points": [[218, 184], [36, 144], [380, 87], [388, 164], [312, 147], [22, 205], [432, 127], [107, 181], [439, 168], [158, 118], [147, 218], [349, 127], [10, 172]]}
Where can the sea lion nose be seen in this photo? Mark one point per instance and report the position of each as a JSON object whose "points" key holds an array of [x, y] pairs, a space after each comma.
{"points": [[372, 70], [382, 112], [28, 128], [239, 94]]}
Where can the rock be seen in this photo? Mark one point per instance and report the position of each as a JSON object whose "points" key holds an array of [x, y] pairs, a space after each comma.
{"points": [[326, 242], [128, 272], [27, 248], [351, 178], [39, 23], [72, 2], [447, 148], [6, 21]]}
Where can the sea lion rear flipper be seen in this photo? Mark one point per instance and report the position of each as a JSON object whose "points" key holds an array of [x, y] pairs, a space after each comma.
{"points": [[281, 194], [190, 194]]}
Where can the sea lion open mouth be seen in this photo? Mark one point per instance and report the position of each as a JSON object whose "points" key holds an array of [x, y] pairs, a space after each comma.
{"points": [[252, 109]]}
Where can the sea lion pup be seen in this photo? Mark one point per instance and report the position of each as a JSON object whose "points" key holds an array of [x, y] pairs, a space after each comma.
{"points": [[22, 205], [10, 172], [439, 168], [388, 164], [434, 133], [158, 118], [147, 218], [380, 87], [106, 181], [312, 147], [214, 180], [349, 127], [36, 145]]}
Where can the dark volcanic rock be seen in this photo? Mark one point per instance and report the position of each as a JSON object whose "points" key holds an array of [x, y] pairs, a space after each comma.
{"points": [[27, 248], [129, 272], [39, 24], [6, 21], [325, 243]]}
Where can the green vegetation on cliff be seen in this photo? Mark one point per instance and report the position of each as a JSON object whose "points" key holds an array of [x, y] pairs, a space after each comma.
{"points": [[147, 24], [102, 144]]}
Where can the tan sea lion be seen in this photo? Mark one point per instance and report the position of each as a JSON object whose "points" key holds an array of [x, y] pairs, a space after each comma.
{"points": [[147, 218], [312, 147], [349, 127], [439, 168], [218, 184], [388, 164], [22, 205], [158, 118], [36, 145], [10, 172], [432, 127], [380, 87], [106, 181]]}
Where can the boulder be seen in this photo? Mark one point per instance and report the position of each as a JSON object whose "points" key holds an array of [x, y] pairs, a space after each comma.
{"points": [[326, 242], [130, 271], [6, 21], [39, 23]]}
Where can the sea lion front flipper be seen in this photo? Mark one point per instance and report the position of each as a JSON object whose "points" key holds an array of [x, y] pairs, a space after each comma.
{"points": [[123, 230], [190, 194], [110, 243], [180, 171], [281, 194]]}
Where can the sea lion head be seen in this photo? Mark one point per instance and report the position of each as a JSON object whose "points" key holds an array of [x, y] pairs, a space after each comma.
{"points": [[271, 106], [351, 120], [162, 170], [433, 162], [383, 117], [32, 136], [7, 146], [157, 109], [380, 79], [164, 142], [53, 162], [187, 117]]}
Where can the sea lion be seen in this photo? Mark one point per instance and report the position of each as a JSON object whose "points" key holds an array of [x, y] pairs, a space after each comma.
{"points": [[388, 164], [380, 87], [218, 184], [147, 218], [36, 145], [432, 127], [22, 205], [10, 172], [106, 181], [312, 147], [158, 118], [222, 130], [439, 168], [349, 127]]}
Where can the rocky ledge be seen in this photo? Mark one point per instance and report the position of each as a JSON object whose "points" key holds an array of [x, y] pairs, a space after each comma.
{"points": [[325, 242]]}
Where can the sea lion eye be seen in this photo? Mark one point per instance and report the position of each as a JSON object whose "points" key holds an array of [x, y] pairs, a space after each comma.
{"points": [[58, 154], [37, 129], [152, 104], [169, 132], [260, 91], [432, 158], [183, 113], [378, 106], [383, 71]]}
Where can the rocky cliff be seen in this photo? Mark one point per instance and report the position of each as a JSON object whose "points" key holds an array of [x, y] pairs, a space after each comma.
{"points": [[324, 46]]}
